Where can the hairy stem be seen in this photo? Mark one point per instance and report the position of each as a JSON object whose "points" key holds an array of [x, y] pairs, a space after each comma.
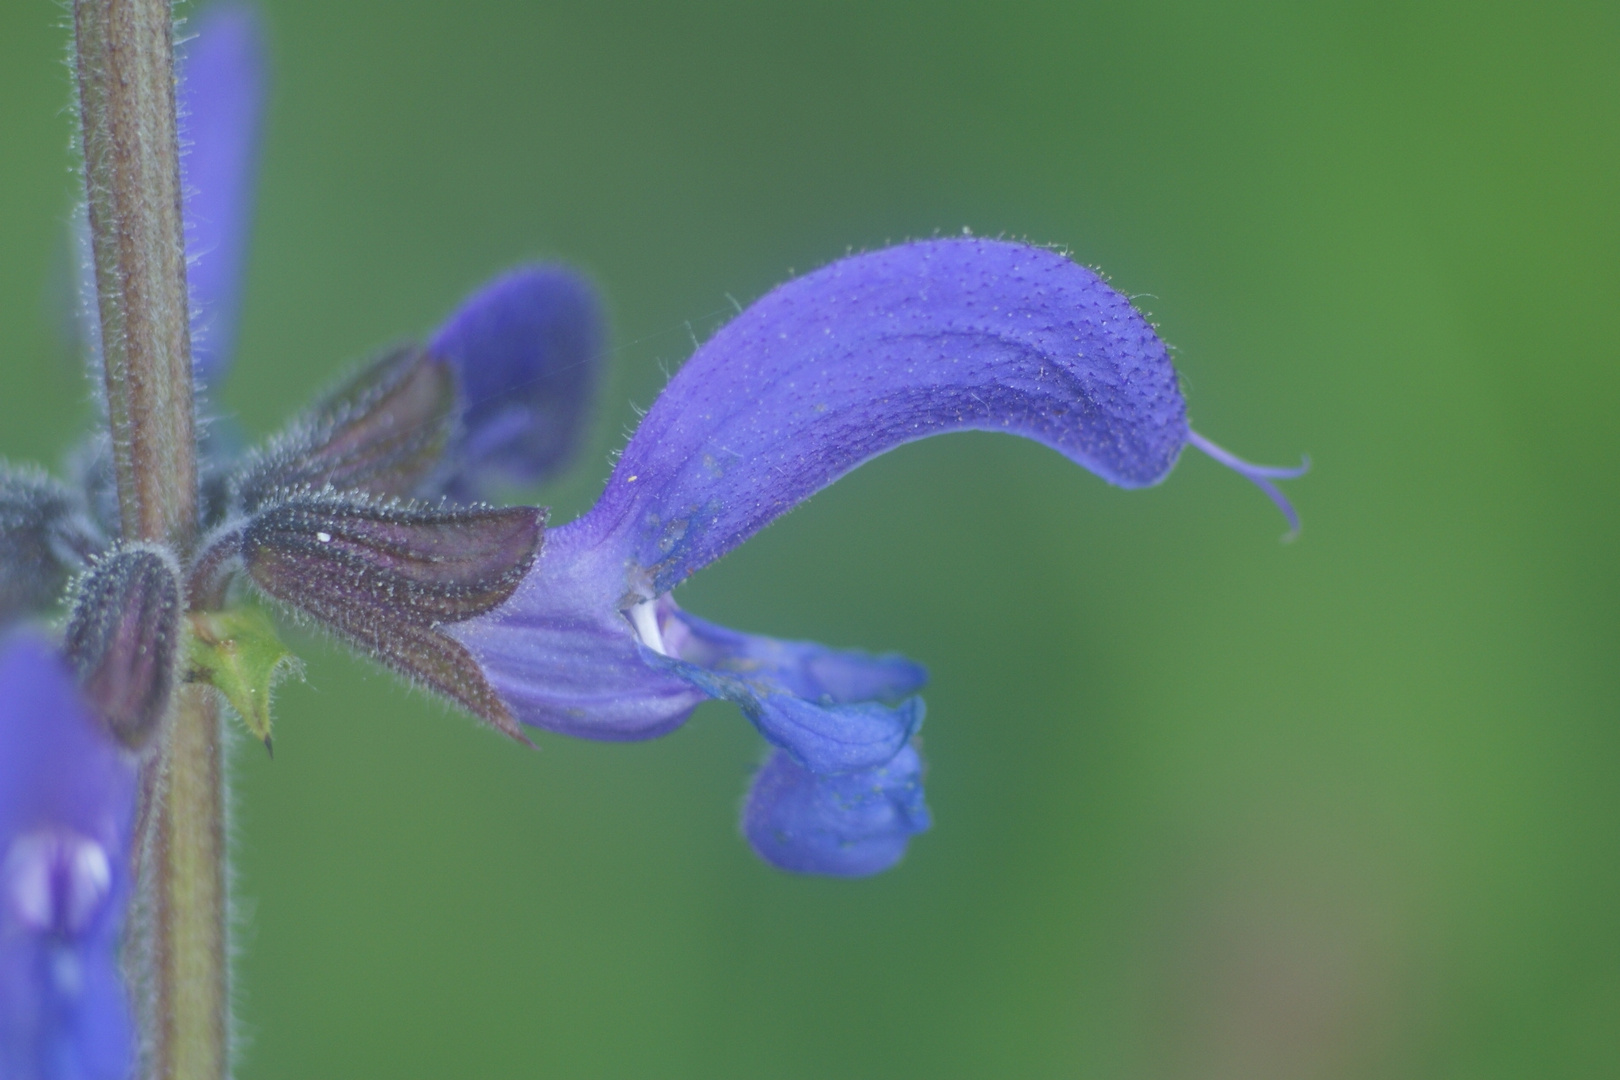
{"points": [[132, 175], [186, 1016], [125, 68]]}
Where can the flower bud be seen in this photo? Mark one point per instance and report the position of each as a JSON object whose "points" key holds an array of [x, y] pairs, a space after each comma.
{"points": [[122, 637]]}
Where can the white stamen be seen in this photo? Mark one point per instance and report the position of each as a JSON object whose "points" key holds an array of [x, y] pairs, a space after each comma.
{"points": [[324, 537], [644, 617]]}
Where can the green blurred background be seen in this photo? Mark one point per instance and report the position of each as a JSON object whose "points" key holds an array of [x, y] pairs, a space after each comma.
{"points": [[1206, 805]]}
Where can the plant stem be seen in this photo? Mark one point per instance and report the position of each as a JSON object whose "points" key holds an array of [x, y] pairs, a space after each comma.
{"points": [[125, 68], [132, 175], [188, 1015]]}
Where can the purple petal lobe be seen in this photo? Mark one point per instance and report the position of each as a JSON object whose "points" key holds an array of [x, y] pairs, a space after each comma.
{"points": [[66, 803], [804, 668], [528, 350], [221, 99], [836, 367], [830, 738], [817, 703], [844, 825]]}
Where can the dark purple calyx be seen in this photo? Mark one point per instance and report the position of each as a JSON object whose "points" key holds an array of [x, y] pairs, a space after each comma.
{"points": [[382, 432], [386, 576], [122, 637]]}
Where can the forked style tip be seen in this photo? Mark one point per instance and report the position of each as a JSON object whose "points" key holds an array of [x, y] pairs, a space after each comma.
{"points": [[1259, 475]]}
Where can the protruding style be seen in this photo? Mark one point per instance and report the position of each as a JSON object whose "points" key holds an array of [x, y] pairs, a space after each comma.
{"points": [[1263, 477]]}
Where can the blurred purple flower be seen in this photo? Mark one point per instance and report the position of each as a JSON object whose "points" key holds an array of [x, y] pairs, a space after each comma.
{"points": [[67, 796], [221, 103]]}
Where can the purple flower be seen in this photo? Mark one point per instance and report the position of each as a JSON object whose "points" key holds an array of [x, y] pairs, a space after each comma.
{"points": [[67, 795], [824, 373], [575, 630]]}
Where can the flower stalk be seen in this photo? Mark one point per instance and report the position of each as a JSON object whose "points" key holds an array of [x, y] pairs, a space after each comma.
{"points": [[125, 71], [125, 61], [185, 1018]]}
